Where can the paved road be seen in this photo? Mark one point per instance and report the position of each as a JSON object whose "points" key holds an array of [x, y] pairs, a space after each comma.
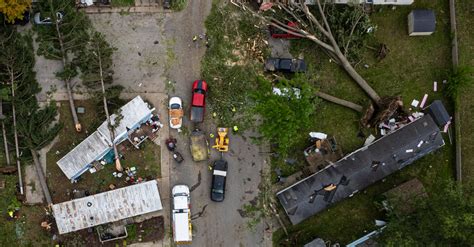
{"points": [[220, 223]]}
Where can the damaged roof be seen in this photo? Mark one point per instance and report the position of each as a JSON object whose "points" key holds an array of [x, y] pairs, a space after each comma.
{"points": [[107, 207], [98, 143], [360, 169]]}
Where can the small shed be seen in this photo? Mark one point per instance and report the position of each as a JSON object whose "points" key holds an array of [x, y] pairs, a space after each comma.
{"points": [[421, 22]]}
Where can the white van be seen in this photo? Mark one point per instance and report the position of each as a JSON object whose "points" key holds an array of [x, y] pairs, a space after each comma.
{"points": [[182, 229]]}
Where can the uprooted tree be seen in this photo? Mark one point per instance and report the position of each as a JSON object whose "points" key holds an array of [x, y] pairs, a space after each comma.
{"points": [[95, 62], [62, 40], [314, 25]]}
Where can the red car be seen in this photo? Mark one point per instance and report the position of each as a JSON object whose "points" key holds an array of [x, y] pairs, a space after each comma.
{"points": [[279, 34], [198, 101]]}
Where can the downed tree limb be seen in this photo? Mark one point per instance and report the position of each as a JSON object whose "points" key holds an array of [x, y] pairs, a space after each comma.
{"points": [[348, 104]]}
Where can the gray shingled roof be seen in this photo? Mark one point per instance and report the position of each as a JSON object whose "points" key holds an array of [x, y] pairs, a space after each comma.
{"points": [[107, 207], [360, 169]]}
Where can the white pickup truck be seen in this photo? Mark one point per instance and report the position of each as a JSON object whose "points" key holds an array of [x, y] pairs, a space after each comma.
{"points": [[182, 229]]}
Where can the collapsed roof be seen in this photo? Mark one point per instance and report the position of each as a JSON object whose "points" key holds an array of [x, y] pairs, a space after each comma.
{"points": [[360, 169]]}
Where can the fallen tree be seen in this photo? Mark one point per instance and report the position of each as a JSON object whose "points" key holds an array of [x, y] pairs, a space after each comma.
{"points": [[314, 27]]}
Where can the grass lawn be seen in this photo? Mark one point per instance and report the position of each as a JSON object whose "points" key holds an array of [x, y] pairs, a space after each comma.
{"points": [[408, 70], [26, 230], [465, 22], [146, 159], [123, 3]]}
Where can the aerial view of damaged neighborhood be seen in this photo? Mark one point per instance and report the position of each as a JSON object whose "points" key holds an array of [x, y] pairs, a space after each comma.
{"points": [[236, 123]]}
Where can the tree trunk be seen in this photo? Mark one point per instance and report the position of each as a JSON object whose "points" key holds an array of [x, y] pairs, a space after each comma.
{"points": [[118, 166], [4, 133], [77, 124], [41, 177], [15, 133], [357, 77], [341, 102]]}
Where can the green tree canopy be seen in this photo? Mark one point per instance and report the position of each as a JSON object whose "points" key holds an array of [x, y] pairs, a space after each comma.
{"points": [[34, 125], [14, 9], [284, 115], [445, 218]]}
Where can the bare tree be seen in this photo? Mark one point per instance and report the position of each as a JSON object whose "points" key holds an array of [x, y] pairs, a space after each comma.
{"points": [[95, 62], [315, 27]]}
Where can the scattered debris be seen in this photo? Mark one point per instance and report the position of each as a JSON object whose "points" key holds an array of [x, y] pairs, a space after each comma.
{"points": [[369, 140], [423, 102]]}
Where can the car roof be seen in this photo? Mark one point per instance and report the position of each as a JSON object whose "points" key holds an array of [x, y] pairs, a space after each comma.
{"points": [[218, 182], [220, 165]]}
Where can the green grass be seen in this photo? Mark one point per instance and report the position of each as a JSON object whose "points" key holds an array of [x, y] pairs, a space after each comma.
{"points": [[178, 5], [408, 70], [228, 66], [122, 3], [465, 22]]}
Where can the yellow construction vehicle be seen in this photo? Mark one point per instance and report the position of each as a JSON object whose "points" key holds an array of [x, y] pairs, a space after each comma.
{"points": [[222, 140]]}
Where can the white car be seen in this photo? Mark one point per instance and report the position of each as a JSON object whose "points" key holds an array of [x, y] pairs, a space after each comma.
{"points": [[175, 108], [46, 20], [182, 228]]}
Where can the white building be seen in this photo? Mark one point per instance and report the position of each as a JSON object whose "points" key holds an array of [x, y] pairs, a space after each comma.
{"points": [[107, 207], [99, 143]]}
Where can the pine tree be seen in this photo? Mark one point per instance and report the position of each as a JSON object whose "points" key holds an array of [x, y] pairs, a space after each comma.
{"points": [[62, 40]]}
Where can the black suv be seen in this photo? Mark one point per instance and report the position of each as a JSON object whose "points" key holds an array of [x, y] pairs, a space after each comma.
{"points": [[219, 173]]}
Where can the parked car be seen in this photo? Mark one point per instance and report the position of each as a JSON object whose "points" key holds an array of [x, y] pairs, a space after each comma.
{"points": [[198, 101], [166, 4], [47, 20], [182, 228], [219, 174], [288, 65], [199, 146], [175, 109], [280, 34]]}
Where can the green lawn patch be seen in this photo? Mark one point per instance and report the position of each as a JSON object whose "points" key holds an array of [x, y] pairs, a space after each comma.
{"points": [[465, 22], [122, 3]]}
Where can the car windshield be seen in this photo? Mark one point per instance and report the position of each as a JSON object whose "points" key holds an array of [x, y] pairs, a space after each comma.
{"points": [[180, 194], [175, 106], [217, 191], [198, 90]]}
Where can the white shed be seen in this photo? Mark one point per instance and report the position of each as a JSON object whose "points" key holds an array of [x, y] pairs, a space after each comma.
{"points": [[421, 22]]}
